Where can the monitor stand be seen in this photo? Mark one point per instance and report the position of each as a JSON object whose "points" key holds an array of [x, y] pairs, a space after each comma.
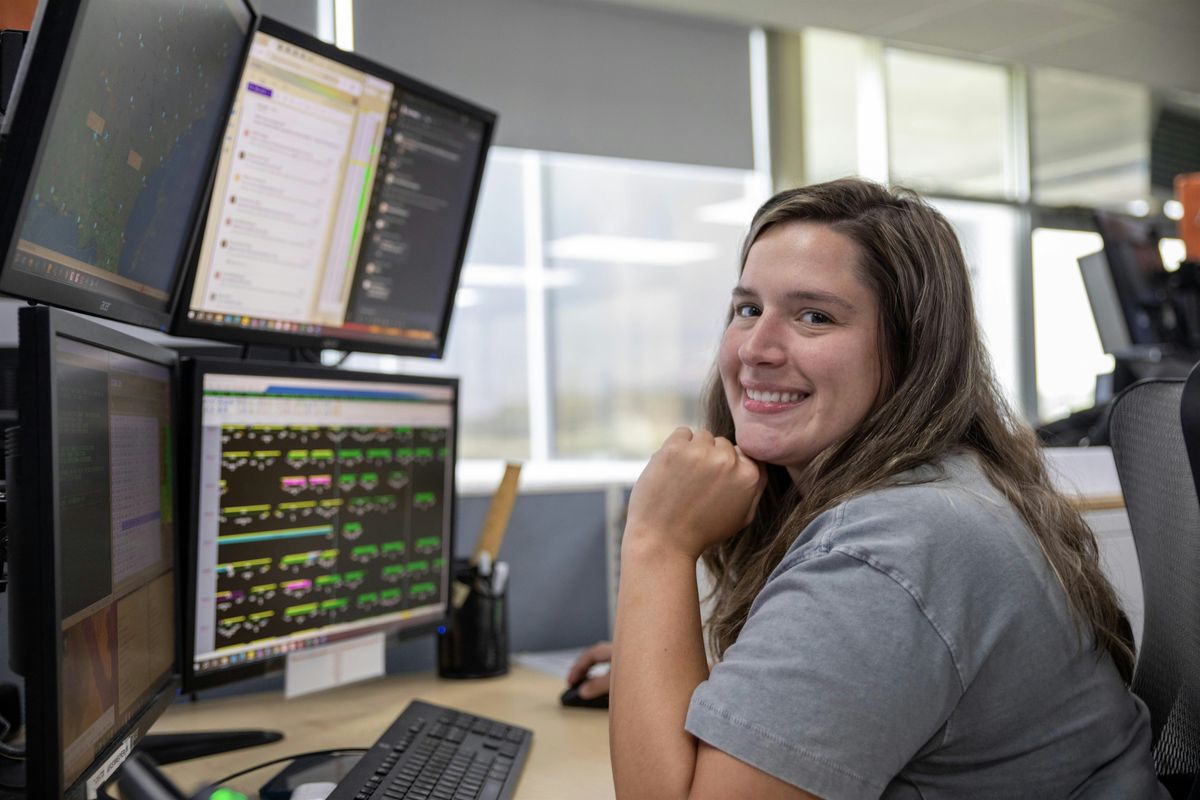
{"points": [[168, 748], [291, 355], [138, 774]]}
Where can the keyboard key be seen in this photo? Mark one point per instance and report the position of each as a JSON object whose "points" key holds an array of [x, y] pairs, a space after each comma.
{"points": [[491, 790]]}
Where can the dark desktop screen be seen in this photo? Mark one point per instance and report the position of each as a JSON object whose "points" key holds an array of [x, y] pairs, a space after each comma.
{"points": [[111, 201], [116, 529]]}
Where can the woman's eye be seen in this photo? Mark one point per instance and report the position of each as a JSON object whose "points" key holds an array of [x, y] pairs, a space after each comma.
{"points": [[745, 310], [815, 318]]}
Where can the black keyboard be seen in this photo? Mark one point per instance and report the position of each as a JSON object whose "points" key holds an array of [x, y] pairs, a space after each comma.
{"points": [[437, 753]]}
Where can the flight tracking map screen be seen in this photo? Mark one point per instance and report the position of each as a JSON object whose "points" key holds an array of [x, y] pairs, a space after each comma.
{"points": [[112, 199], [324, 512]]}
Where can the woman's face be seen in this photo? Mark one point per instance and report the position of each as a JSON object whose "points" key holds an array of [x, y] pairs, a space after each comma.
{"points": [[800, 361]]}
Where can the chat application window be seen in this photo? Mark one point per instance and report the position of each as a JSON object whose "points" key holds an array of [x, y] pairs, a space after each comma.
{"points": [[292, 188]]}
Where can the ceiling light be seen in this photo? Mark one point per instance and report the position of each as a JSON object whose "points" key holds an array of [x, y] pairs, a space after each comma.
{"points": [[630, 250]]}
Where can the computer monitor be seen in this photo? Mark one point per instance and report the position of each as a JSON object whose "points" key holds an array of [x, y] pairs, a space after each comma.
{"points": [[1106, 304], [1138, 275], [343, 200], [93, 598], [110, 151], [321, 509]]}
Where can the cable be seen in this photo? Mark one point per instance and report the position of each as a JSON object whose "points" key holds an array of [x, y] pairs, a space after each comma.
{"points": [[338, 752]]}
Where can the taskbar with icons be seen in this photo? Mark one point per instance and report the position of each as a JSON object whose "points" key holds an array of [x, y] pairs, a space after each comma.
{"points": [[257, 323], [264, 653], [421, 337]]}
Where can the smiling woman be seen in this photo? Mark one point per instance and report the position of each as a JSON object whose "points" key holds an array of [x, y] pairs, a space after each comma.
{"points": [[904, 607], [799, 361]]}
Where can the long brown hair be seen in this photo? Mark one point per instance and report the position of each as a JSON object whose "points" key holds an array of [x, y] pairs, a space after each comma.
{"points": [[938, 395]]}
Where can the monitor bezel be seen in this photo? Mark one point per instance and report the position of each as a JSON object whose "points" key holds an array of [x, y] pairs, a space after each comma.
{"points": [[183, 326], [36, 556], [193, 372], [56, 28]]}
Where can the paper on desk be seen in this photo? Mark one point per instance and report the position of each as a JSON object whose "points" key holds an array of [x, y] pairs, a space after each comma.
{"points": [[333, 665], [1083, 471], [556, 662]]}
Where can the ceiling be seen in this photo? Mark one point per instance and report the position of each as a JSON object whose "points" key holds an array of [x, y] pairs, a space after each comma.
{"points": [[1153, 42]]}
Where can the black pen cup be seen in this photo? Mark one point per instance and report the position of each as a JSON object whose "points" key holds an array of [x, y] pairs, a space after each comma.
{"points": [[474, 644]]}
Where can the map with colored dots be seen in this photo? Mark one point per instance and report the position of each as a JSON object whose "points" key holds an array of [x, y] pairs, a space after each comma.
{"points": [[124, 158]]}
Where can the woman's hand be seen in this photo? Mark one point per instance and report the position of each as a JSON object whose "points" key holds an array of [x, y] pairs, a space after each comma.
{"points": [[696, 491], [599, 653]]}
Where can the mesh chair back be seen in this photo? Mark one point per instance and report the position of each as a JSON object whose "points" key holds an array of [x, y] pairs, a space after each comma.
{"points": [[1156, 477]]}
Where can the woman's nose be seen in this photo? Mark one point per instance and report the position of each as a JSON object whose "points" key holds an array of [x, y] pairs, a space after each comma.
{"points": [[763, 343]]}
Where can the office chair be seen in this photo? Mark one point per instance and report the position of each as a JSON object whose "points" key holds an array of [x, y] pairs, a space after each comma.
{"points": [[1155, 438]]}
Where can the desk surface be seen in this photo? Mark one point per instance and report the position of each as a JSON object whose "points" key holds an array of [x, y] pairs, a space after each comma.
{"points": [[570, 745]]}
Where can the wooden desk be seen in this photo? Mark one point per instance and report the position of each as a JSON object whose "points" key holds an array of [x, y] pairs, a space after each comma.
{"points": [[569, 757]]}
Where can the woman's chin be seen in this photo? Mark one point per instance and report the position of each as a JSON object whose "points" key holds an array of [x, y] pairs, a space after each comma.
{"points": [[768, 453], [762, 452]]}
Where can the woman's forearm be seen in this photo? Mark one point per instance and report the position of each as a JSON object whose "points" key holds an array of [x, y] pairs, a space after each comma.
{"points": [[658, 661]]}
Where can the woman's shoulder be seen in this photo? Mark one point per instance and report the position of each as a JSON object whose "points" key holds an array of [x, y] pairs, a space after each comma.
{"points": [[952, 541], [947, 510]]}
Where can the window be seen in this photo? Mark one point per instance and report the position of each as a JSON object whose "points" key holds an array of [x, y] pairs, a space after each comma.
{"points": [[988, 233], [646, 256], [949, 125], [843, 107], [1090, 140], [1068, 350]]}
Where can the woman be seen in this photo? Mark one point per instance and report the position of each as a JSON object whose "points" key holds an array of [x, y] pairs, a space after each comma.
{"points": [[904, 607]]}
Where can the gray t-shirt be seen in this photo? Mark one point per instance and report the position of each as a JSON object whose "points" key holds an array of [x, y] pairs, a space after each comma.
{"points": [[914, 643]]}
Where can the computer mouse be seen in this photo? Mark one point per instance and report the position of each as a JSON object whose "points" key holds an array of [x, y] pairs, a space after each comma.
{"points": [[572, 699]]}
